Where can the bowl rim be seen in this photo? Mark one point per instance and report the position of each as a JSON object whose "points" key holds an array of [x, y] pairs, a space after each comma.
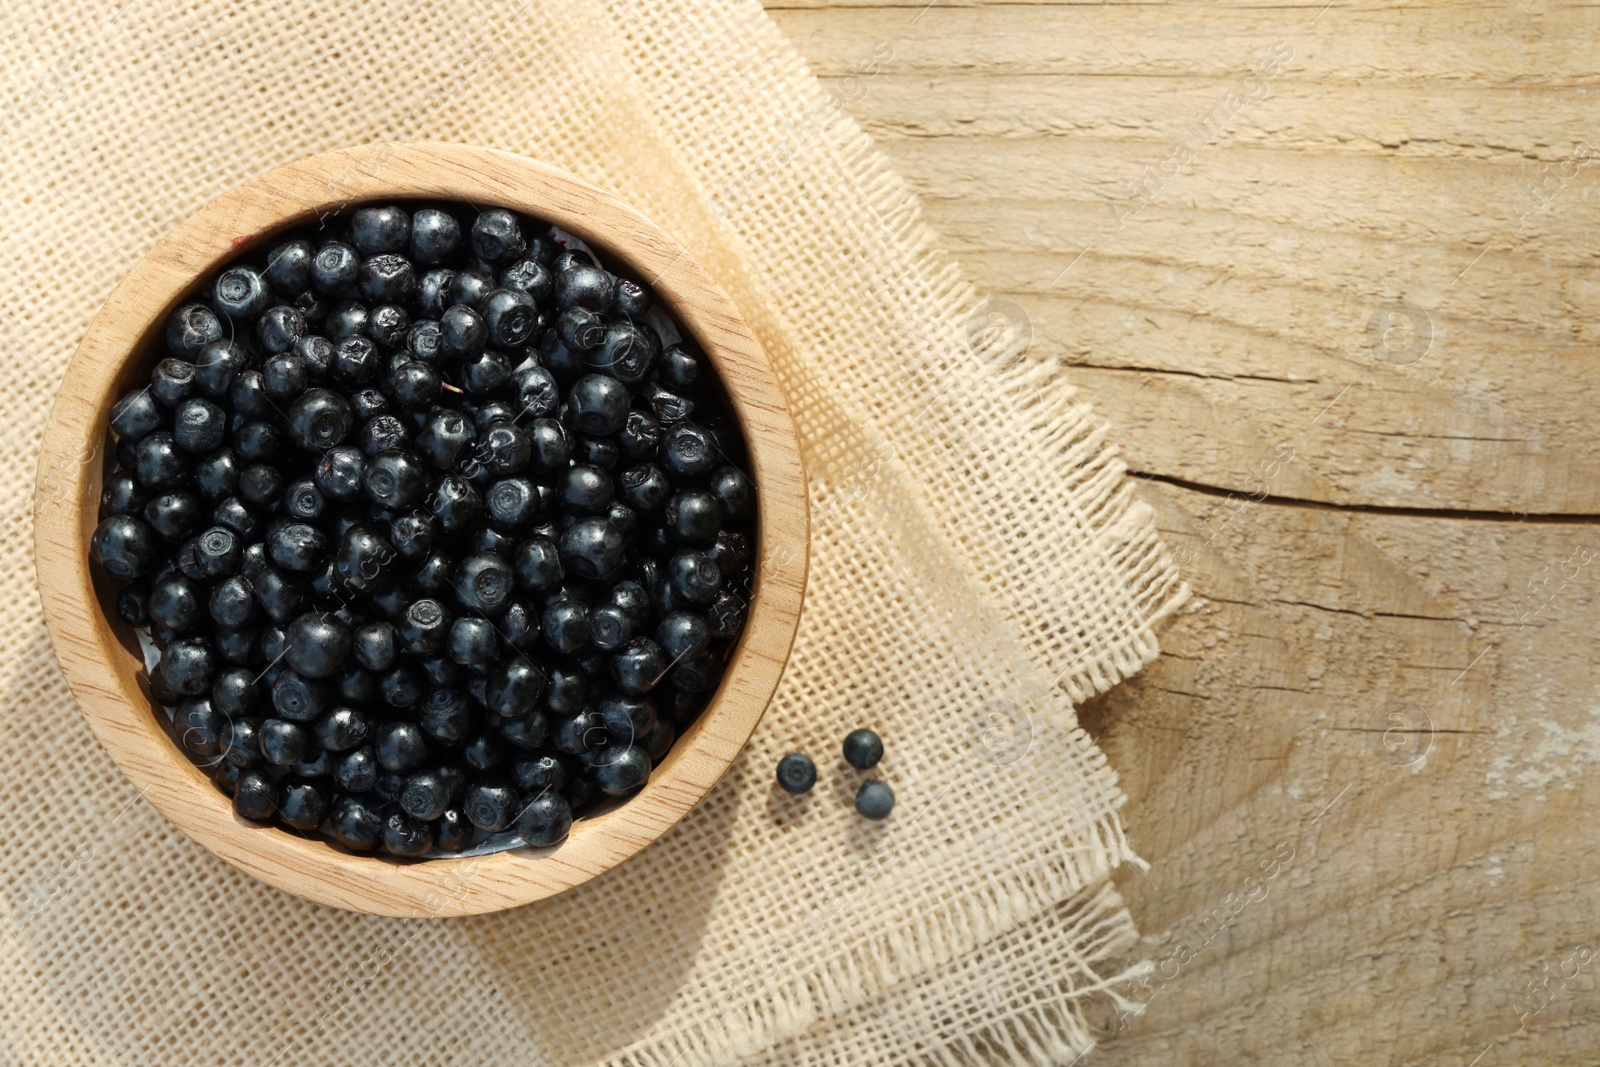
{"points": [[104, 675]]}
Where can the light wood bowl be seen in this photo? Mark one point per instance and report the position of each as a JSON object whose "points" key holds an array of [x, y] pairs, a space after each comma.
{"points": [[99, 654]]}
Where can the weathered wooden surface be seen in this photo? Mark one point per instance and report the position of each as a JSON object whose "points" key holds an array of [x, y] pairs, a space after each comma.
{"points": [[1385, 674]]}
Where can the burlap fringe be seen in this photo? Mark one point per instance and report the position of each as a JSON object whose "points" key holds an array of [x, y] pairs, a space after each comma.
{"points": [[930, 940]]}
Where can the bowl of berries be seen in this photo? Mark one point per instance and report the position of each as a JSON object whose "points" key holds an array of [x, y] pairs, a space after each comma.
{"points": [[421, 529]]}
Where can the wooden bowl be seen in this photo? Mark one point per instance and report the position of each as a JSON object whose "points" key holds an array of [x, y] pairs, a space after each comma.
{"points": [[99, 654]]}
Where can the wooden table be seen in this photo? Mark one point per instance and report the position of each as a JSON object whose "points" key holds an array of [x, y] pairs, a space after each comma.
{"points": [[1330, 272]]}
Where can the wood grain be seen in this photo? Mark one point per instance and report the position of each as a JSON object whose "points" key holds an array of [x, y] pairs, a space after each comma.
{"points": [[1366, 537], [100, 660]]}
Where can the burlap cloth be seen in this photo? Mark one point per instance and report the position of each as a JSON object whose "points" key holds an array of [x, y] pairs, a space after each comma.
{"points": [[978, 564]]}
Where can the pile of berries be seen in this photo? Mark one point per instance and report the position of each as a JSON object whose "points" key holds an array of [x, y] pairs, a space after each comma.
{"points": [[440, 529], [863, 748]]}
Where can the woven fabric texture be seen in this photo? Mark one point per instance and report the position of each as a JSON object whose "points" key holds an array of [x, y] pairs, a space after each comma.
{"points": [[978, 564]]}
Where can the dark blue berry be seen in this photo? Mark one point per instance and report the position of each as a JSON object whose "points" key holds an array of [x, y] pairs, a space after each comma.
{"points": [[529, 276], [733, 492], [505, 449], [284, 377], [317, 354], [240, 740], [510, 315], [538, 564], [628, 720], [261, 485], [796, 773], [591, 548], [468, 288], [297, 547], [304, 806], [135, 415], [282, 742], [425, 796], [639, 666], [730, 552], [356, 771], [545, 820], [255, 796], [622, 770], [484, 373], [334, 268], [233, 514], [289, 267], [190, 329], [682, 634], [482, 752], [462, 332], [688, 451], [279, 328], [599, 404], [217, 475], [630, 299], [175, 603], [400, 746], [484, 583], [862, 749], [386, 279], [199, 727], [452, 831], [567, 691], [232, 602], [527, 733], [174, 515], [248, 396], [347, 321], [580, 329], [540, 773], [875, 800], [446, 715], [583, 285], [433, 293], [490, 806], [318, 645], [257, 442], [435, 236], [217, 368], [395, 480], [627, 352], [341, 729], [497, 236], [565, 625], [645, 488], [188, 666], [693, 517], [199, 426], [355, 361], [639, 437], [240, 293], [669, 407], [158, 464], [356, 824], [610, 627], [698, 674], [298, 698], [401, 687], [514, 688], [380, 229], [693, 576], [416, 386]]}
